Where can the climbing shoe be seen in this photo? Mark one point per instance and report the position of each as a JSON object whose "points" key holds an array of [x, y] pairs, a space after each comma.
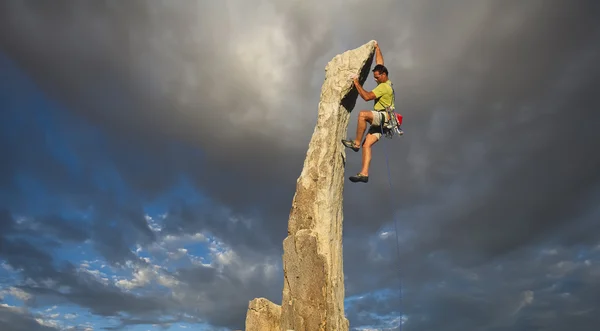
{"points": [[350, 144], [359, 178]]}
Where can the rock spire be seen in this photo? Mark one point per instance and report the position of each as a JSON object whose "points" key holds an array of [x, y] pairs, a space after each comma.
{"points": [[313, 290]]}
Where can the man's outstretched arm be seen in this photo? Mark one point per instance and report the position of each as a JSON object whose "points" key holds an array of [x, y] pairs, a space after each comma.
{"points": [[378, 55]]}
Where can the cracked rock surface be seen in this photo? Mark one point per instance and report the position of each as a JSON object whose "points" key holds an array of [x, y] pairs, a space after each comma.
{"points": [[263, 315], [313, 290]]}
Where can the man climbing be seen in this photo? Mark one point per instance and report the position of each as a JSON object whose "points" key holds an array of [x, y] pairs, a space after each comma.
{"points": [[383, 97]]}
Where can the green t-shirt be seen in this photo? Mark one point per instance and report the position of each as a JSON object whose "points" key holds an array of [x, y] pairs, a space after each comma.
{"points": [[383, 95]]}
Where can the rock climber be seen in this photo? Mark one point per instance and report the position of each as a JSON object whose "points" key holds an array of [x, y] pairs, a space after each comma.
{"points": [[382, 95]]}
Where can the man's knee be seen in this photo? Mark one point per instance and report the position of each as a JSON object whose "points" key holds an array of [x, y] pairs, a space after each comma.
{"points": [[367, 115], [370, 140]]}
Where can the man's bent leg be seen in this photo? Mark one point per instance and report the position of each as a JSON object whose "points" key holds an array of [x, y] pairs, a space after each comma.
{"points": [[361, 126], [366, 152]]}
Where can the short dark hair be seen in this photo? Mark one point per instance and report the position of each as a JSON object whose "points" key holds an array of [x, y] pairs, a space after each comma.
{"points": [[381, 69]]}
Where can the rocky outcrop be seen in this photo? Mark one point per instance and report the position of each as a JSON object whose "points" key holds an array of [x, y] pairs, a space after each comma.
{"points": [[263, 315], [313, 291]]}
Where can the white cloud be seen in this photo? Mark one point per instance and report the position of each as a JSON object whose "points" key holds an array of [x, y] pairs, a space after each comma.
{"points": [[17, 293], [385, 234], [140, 278], [185, 239], [13, 308], [49, 323], [7, 266], [526, 300], [178, 254], [153, 224], [97, 274], [143, 276], [87, 326]]}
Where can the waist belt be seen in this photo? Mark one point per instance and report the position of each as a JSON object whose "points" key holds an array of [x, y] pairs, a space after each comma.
{"points": [[382, 114]]}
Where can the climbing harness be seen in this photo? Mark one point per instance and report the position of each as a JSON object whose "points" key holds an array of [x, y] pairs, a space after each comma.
{"points": [[394, 125]]}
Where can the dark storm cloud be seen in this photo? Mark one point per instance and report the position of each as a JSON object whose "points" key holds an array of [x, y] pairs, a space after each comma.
{"points": [[222, 297], [499, 99], [56, 226], [14, 319], [142, 123], [20, 253], [534, 288], [200, 293], [499, 82], [211, 218], [20, 247]]}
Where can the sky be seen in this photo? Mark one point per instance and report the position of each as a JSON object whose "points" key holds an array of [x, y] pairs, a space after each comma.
{"points": [[150, 152]]}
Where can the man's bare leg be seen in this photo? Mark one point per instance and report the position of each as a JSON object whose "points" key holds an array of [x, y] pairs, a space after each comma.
{"points": [[366, 153], [363, 117]]}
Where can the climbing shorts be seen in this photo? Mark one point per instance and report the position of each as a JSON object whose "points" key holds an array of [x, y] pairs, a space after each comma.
{"points": [[375, 128]]}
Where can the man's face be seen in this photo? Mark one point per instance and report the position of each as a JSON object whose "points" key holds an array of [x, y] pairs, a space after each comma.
{"points": [[378, 77]]}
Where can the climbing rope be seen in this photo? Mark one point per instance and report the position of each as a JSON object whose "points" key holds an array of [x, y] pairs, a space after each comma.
{"points": [[396, 232], [391, 113]]}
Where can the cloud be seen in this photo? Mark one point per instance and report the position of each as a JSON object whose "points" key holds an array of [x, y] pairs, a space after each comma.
{"points": [[17, 319], [499, 155], [491, 107], [17, 293], [531, 288], [199, 291]]}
